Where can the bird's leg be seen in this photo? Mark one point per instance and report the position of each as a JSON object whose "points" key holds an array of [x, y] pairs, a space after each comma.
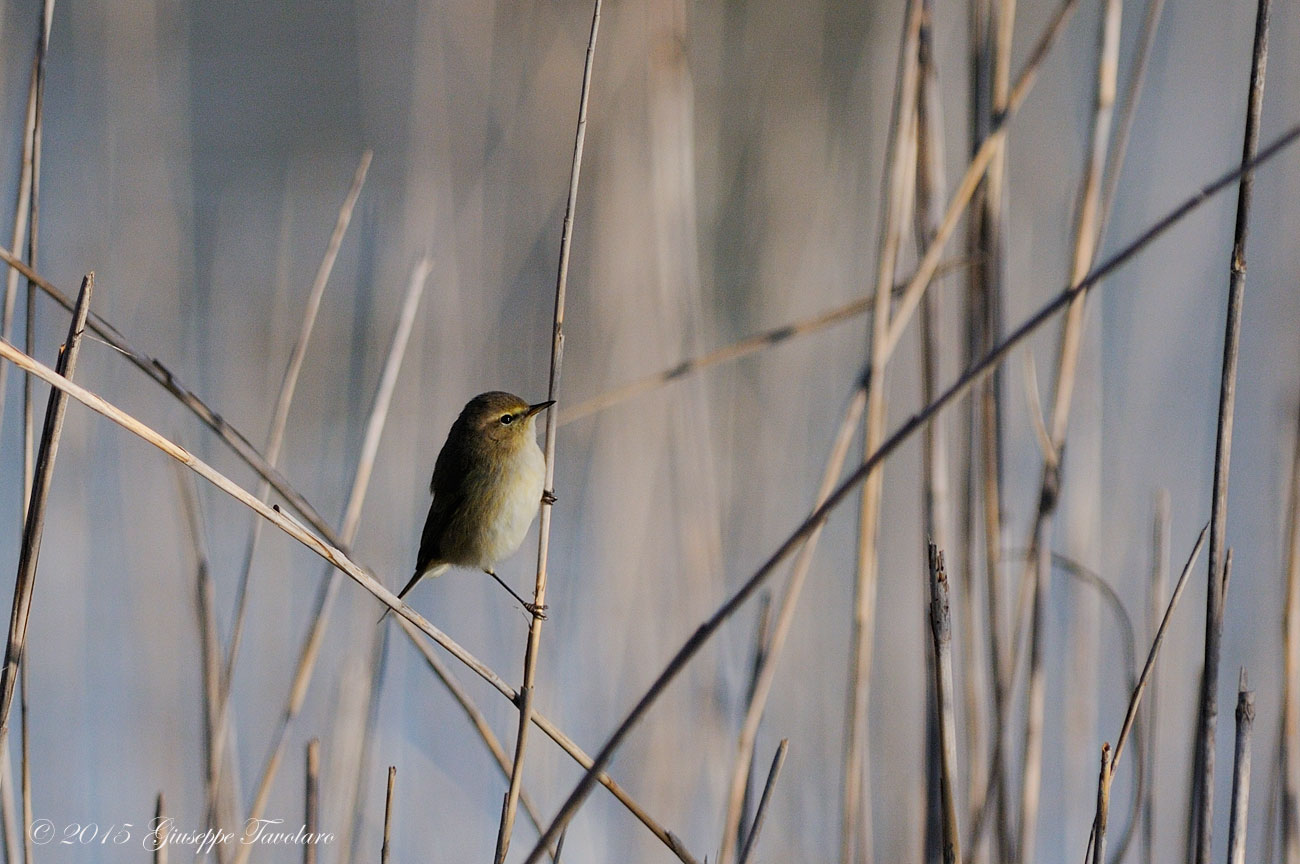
{"points": [[548, 497], [532, 608]]}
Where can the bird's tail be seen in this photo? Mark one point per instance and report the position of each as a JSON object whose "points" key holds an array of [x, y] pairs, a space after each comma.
{"points": [[436, 570]]}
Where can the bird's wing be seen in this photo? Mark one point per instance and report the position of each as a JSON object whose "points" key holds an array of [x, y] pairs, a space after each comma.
{"points": [[448, 490]]}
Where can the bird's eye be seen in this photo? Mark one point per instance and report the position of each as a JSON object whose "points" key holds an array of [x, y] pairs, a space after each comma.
{"points": [[507, 419]]}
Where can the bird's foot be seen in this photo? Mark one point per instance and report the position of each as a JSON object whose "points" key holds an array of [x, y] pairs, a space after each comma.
{"points": [[548, 497], [538, 612]]}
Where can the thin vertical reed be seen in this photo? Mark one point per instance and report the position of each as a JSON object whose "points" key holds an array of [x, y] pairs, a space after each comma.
{"points": [[1149, 715], [1223, 443], [552, 427], [311, 799]]}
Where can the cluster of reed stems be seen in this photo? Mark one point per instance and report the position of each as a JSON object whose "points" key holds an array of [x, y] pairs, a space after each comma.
{"points": [[985, 750]]}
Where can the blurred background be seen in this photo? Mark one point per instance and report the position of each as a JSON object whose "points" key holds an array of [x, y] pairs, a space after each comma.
{"points": [[195, 156]]}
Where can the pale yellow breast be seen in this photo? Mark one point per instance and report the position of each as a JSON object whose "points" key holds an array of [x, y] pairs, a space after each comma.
{"points": [[515, 504]]}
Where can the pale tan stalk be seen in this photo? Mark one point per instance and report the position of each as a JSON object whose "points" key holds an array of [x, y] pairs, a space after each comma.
{"points": [[900, 164], [1150, 713], [311, 799], [1085, 248], [552, 427], [330, 582]]}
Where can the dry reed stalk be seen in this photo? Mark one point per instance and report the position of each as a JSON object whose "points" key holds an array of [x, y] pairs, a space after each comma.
{"points": [[955, 391], [1149, 713], [765, 673], [898, 190], [18, 238], [1223, 441], [475, 716], [751, 840], [388, 814], [209, 652], [34, 528], [1128, 113], [1084, 253], [311, 799], [280, 419], [930, 191], [1290, 748], [1241, 772], [552, 427], [945, 705], [330, 582]]}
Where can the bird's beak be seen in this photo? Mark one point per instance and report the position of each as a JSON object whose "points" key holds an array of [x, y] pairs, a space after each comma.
{"points": [[538, 408]]}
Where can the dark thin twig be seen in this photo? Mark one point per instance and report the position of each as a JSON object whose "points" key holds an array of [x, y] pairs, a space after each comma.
{"points": [[1223, 442], [752, 839], [909, 428], [35, 527], [388, 814], [311, 800], [552, 428], [1241, 773], [1098, 839]]}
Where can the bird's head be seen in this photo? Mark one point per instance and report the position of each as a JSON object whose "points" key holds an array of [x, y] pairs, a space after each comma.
{"points": [[501, 419]]}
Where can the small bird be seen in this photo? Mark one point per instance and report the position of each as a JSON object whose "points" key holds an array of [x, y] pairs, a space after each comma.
{"points": [[487, 488]]}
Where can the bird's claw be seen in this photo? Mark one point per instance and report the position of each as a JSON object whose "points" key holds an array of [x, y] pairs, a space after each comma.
{"points": [[548, 497], [536, 611]]}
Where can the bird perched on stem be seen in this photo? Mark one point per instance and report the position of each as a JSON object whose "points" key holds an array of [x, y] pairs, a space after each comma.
{"points": [[487, 488]]}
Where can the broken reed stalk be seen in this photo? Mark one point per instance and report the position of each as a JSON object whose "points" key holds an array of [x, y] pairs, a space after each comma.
{"points": [[29, 553], [388, 814], [331, 581], [751, 840], [765, 674], [1097, 842], [899, 188], [1241, 773], [959, 388], [1223, 441], [1290, 747], [280, 420], [209, 652], [526, 688], [1086, 241], [475, 716], [311, 800], [1149, 715], [945, 705]]}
